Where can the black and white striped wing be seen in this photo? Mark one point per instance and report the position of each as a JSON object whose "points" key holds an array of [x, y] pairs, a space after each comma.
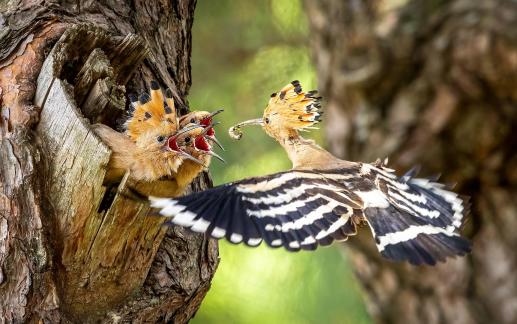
{"points": [[295, 209], [420, 220]]}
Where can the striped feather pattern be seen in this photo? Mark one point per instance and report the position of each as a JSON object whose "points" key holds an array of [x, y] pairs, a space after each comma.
{"points": [[411, 219]]}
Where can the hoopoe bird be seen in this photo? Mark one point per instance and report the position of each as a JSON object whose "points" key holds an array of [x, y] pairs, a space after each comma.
{"points": [[323, 198], [154, 144]]}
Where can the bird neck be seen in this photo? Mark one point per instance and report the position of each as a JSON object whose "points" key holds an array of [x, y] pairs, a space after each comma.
{"points": [[305, 153], [154, 165]]}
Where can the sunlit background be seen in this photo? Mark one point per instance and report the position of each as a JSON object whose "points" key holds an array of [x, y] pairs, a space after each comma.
{"points": [[242, 52]]}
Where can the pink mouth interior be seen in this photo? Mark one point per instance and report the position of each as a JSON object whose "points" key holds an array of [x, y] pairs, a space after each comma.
{"points": [[202, 144], [171, 143], [205, 122]]}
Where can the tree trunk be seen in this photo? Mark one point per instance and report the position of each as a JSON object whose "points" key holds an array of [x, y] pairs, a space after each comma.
{"points": [[70, 250], [432, 83]]}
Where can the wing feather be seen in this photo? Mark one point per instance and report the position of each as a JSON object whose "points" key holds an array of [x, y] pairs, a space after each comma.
{"points": [[294, 209], [411, 219]]}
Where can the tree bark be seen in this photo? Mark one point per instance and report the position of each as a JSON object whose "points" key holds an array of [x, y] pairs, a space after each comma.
{"points": [[69, 251], [430, 83]]}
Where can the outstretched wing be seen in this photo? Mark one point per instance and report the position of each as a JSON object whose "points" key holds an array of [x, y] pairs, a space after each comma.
{"points": [[295, 209], [421, 220], [411, 219]]}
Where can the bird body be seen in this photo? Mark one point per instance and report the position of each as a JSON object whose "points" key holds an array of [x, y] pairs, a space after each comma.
{"points": [[323, 198], [155, 147]]}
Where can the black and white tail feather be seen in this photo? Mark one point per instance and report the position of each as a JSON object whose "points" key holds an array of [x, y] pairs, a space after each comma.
{"points": [[411, 219]]}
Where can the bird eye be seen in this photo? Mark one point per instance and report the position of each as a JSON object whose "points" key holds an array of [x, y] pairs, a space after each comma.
{"points": [[187, 139], [193, 120], [160, 138], [267, 120]]}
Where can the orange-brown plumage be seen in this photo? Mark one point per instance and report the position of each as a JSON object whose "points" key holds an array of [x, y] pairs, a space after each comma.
{"points": [[156, 145], [144, 149]]}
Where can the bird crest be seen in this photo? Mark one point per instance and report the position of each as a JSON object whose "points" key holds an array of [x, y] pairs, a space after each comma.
{"points": [[151, 112], [297, 109], [288, 110]]}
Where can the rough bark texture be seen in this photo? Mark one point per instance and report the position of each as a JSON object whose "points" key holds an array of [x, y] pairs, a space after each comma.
{"points": [[431, 83], [68, 252]]}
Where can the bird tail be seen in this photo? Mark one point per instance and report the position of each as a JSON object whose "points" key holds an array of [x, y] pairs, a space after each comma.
{"points": [[421, 222]]}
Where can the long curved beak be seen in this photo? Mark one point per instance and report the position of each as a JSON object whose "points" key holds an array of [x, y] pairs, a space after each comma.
{"points": [[214, 139], [236, 132], [215, 113], [191, 158], [217, 156], [187, 129]]}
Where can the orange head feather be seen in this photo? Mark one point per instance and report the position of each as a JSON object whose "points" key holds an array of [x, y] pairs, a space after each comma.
{"points": [[152, 112], [288, 111]]}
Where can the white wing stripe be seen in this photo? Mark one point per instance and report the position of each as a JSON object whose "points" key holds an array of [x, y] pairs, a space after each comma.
{"points": [[411, 233], [283, 209], [172, 209], [449, 196], [419, 198], [157, 202], [334, 227], [309, 218], [200, 226], [289, 195], [415, 210], [218, 232], [185, 218], [276, 182]]}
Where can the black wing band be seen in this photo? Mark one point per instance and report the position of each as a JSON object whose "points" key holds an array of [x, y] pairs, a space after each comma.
{"points": [[296, 210]]}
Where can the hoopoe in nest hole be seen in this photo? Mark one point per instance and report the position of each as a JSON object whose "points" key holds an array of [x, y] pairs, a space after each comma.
{"points": [[323, 198], [155, 144]]}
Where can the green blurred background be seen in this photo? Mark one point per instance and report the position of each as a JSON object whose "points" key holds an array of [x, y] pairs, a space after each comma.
{"points": [[242, 52]]}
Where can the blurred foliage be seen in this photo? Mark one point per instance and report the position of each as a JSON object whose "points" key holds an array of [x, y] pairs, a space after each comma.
{"points": [[242, 52]]}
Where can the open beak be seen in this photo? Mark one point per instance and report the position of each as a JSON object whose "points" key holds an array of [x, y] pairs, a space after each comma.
{"points": [[209, 127], [171, 144], [217, 156], [236, 132], [202, 145], [214, 139]]}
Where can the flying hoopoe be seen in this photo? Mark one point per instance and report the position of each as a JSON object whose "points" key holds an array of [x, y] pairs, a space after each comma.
{"points": [[153, 144], [323, 198]]}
